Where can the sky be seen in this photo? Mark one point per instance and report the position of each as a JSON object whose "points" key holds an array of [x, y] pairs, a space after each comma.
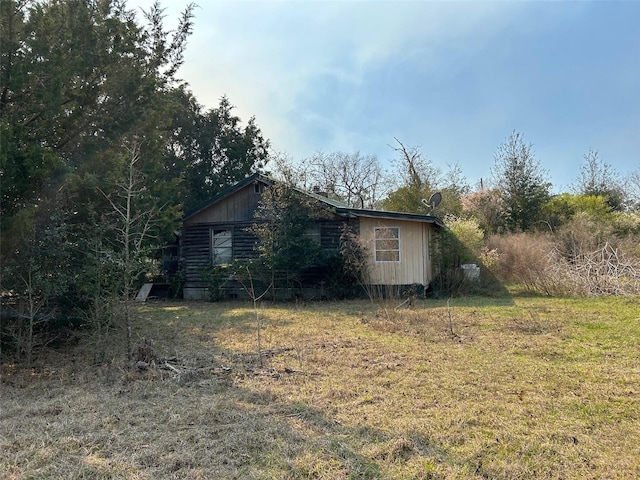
{"points": [[452, 78]]}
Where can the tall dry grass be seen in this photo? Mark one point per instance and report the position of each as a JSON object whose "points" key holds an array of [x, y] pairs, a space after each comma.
{"points": [[472, 388], [570, 262], [525, 259]]}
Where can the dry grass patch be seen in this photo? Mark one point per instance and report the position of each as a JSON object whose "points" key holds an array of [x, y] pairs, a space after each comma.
{"points": [[529, 388]]}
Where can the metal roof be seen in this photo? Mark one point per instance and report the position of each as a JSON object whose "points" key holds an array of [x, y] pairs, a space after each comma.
{"points": [[415, 217]]}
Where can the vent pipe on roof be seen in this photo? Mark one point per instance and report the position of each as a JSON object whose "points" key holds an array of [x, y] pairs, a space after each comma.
{"points": [[317, 191]]}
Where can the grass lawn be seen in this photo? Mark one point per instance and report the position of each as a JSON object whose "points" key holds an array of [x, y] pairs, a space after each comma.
{"points": [[512, 388]]}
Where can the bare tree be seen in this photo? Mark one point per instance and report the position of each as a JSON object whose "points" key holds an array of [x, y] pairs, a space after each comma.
{"points": [[35, 272], [255, 298], [419, 179], [454, 186], [416, 171], [133, 216], [289, 171], [32, 310], [355, 179], [633, 189]]}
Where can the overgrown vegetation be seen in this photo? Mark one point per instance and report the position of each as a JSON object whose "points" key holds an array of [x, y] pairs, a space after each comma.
{"points": [[290, 260], [584, 243], [101, 149], [472, 388], [588, 256]]}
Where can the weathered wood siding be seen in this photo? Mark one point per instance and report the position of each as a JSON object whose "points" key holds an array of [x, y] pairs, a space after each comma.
{"points": [[330, 233], [235, 213], [238, 207], [196, 244], [414, 266], [196, 247]]}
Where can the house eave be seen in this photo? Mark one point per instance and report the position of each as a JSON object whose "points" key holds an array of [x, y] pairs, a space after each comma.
{"points": [[227, 192], [340, 208], [414, 217]]}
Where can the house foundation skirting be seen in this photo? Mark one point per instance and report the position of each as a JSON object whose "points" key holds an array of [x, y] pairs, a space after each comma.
{"points": [[195, 293], [306, 293]]}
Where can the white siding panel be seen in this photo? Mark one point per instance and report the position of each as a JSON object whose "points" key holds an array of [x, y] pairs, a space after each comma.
{"points": [[415, 261]]}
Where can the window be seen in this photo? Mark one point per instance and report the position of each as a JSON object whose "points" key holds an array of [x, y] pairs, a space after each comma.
{"points": [[313, 234], [258, 188], [387, 244], [221, 246]]}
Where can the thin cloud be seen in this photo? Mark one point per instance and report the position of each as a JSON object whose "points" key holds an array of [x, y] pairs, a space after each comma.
{"points": [[454, 77]]}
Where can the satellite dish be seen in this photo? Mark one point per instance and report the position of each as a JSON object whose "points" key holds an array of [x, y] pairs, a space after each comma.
{"points": [[434, 200]]}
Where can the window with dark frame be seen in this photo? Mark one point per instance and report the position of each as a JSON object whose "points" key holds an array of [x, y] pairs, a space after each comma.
{"points": [[313, 233], [221, 246], [386, 244]]}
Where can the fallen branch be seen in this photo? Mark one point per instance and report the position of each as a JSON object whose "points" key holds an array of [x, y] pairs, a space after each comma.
{"points": [[168, 366], [291, 370], [275, 351]]}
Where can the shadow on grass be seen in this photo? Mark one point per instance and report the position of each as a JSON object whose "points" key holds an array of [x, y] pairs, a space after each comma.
{"points": [[200, 409], [200, 424], [319, 443], [259, 434]]}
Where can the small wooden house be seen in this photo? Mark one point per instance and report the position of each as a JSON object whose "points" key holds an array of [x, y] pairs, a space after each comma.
{"points": [[399, 244]]}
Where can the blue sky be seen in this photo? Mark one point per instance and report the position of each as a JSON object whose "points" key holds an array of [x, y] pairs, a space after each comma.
{"points": [[454, 78]]}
